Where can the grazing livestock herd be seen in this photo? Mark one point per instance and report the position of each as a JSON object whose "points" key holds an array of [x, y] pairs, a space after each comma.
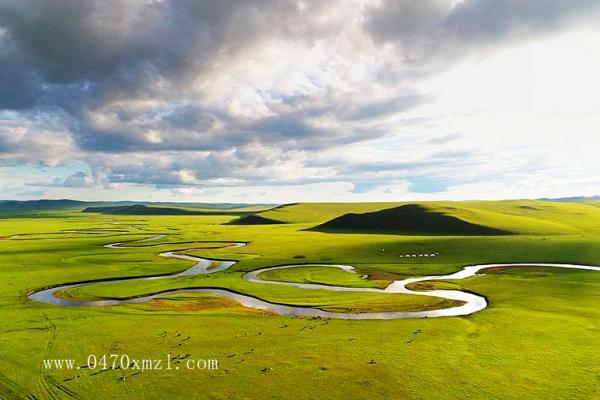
{"points": [[418, 255], [427, 255]]}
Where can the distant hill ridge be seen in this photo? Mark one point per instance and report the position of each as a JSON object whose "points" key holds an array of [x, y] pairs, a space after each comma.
{"points": [[140, 209], [67, 204], [17, 205], [409, 218], [576, 199]]}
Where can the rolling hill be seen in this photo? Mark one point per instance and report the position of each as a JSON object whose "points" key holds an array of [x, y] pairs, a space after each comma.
{"points": [[254, 219], [527, 217], [408, 218], [303, 213]]}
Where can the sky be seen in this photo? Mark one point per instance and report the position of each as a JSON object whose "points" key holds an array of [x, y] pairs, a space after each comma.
{"points": [[289, 101]]}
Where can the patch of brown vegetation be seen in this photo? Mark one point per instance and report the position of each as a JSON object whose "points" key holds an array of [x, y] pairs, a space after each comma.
{"points": [[69, 295], [391, 307], [432, 285], [196, 303], [497, 269], [523, 267], [385, 276]]}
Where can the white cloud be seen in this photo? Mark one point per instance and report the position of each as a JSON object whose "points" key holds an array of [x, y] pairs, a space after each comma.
{"points": [[326, 101]]}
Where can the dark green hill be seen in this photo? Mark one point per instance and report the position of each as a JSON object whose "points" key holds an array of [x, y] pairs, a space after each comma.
{"points": [[103, 210], [409, 219], [254, 220]]}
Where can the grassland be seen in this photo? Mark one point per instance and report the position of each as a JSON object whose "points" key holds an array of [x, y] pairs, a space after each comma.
{"points": [[538, 339]]}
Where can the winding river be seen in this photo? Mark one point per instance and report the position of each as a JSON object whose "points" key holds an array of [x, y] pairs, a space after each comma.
{"points": [[471, 301]]}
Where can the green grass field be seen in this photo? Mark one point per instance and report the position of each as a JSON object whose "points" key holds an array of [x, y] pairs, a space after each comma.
{"points": [[539, 338]]}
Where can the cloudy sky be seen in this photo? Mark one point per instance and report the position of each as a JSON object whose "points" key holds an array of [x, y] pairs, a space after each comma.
{"points": [[284, 101]]}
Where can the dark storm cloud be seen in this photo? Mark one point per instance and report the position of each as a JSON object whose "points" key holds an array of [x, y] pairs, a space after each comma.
{"points": [[189, 117], [424, 30], [20, 87], [81, 55], [20, 81], [491, 20], [126, 44]]}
